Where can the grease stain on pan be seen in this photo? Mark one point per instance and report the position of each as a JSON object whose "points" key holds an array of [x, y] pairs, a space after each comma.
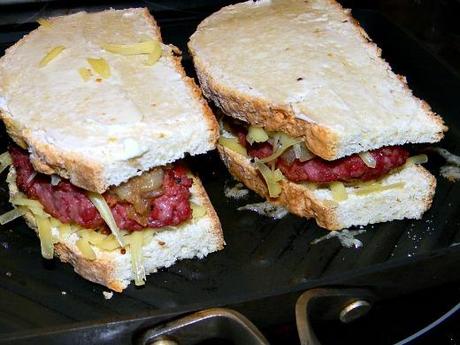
{"points": [[451, 170], [265, 209], [238, 191], [346, 237]]}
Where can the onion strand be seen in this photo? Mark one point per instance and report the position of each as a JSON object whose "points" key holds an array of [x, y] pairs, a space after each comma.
{"points": [[368, 159], [279, 146], [302, 153], [106, 214], [418, 159]]}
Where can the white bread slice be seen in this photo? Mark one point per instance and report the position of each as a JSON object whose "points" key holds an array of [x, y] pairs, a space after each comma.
{"points": [[101, 132], [411, 201], [195, 238], [308, 69]]}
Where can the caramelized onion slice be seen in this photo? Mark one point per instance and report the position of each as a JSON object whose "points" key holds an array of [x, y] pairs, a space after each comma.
{"points": [[302, 153], [289, 156], [297, 151], [138, 190]]}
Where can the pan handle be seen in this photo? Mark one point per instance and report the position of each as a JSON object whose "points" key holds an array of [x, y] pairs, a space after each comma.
{"points": [[206, 324], [329, 303]]}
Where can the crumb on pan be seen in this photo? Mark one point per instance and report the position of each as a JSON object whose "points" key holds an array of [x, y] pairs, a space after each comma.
{"points": [[107, 294]]}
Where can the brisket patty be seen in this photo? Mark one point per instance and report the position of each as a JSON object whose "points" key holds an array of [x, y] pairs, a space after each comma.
{"points": [[346, 169], [318, 170], [70, 204]]}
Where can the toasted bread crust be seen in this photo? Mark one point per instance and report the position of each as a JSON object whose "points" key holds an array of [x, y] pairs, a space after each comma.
{"points": [[216, 229], [102, 270], [297, 198], [272, 117], [98, 271], [320, 139], [294, 197]]}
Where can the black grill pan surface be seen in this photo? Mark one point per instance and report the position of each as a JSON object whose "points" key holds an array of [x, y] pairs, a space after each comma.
{"points": [[267, 263]]}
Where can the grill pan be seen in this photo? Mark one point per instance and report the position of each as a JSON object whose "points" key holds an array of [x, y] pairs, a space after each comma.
{"points": [[267, 263]]}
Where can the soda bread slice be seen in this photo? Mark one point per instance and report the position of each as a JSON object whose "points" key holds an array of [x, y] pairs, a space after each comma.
{"points": [[411, 201], [96, 128], [195, 238], [308, 69]]}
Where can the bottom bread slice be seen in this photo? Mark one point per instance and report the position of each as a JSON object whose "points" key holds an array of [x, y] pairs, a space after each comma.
{"points": [[410, 201], [195, 238]]}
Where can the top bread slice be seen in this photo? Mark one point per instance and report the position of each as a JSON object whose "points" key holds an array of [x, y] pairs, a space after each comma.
{"points": [[102, 131], [308, 69]]}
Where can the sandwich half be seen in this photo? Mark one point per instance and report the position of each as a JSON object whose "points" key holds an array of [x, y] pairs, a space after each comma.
{"points": [[101, 112], [316, 119]]}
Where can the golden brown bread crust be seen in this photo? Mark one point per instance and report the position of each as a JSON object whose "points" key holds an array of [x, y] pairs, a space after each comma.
{"points": [[103, 271], [295, 197], [258, 112], [98, 271], [89, 175], [428, 201], [200, 192], [48, 159]]}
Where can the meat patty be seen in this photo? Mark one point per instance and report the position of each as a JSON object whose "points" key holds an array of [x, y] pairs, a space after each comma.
{"points": [[70, 204], [345, 169], [318, 170]]}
